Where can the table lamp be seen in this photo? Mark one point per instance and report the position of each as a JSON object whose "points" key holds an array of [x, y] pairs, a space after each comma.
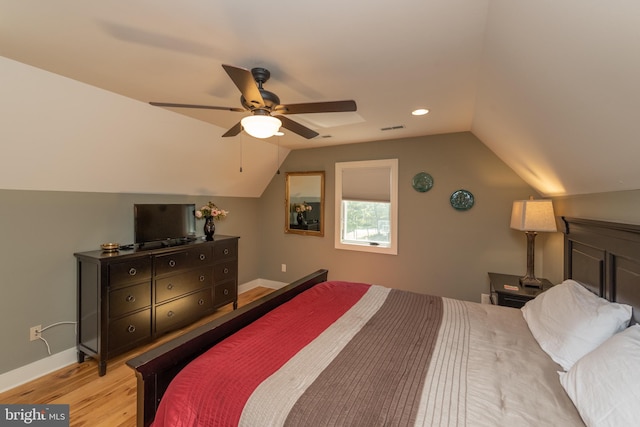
{"points": [[532, 216]]}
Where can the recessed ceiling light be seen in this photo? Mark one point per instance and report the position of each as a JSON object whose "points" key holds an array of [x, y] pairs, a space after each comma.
{"points": [[420, 112]]}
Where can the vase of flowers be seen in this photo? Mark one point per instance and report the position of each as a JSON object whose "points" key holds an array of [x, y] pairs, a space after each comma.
{"points": [[210, 212], [301, 210]]}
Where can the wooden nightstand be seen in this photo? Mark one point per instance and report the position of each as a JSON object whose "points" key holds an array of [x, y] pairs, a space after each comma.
{"points": [[513, 297]]}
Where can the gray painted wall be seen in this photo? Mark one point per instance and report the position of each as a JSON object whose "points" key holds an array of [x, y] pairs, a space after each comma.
{"points": [[41, 230], [441, 251]]}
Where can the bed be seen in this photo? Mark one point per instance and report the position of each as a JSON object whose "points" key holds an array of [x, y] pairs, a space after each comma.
{"points": [[360, 354]]}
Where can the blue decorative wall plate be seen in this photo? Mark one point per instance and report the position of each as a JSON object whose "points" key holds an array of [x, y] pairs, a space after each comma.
{"points": [[462, 200], [422, 182]]}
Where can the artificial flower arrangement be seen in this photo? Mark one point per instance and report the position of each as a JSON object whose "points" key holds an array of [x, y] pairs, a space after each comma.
{"points": [[302, 207], [211, 210]]}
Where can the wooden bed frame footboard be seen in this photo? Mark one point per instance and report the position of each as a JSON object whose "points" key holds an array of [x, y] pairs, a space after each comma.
{"points": [[156, 368]]}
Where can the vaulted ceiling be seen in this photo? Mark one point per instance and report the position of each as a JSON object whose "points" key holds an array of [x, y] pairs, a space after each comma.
{"points": [[551, 87]]}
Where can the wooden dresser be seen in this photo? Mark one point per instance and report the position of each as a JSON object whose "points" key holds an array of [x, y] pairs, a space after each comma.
{"points": [[130, 297]]}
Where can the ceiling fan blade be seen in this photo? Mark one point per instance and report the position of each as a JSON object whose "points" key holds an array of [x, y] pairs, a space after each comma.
{"points": [[296, 127], [204, 107], [244, 80], [317, 107], [233, 131]]}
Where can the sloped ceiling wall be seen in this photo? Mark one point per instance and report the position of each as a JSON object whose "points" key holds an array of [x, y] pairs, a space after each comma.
{"points": [[62, 135], [558, 93]]}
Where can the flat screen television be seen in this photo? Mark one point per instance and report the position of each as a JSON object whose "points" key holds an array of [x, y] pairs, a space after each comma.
{"points": [[163, 222]]}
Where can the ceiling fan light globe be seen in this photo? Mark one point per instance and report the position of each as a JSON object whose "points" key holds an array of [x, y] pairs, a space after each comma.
{"points": [[261, 126]]}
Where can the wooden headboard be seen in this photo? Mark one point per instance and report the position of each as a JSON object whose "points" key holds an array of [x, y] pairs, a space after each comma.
{"points": [[604, 257]]}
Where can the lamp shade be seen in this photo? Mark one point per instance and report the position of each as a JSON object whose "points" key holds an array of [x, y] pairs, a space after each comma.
{"points": [[533, 215], [261, 126]]}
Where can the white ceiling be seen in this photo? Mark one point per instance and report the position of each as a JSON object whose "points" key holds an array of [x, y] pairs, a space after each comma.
{"points": [[551, 87]]}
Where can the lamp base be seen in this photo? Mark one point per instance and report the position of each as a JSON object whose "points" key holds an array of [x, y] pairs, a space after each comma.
{"points": [[531, 282]]}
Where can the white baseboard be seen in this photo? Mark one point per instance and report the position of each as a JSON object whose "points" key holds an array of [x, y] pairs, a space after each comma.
{"points": [[272, 284], [37, 369], [67, 357]]}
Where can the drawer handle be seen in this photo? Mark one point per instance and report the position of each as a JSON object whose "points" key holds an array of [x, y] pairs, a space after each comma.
{"points": [[226, 251], [202, 278], [170, 286], [131, 329], [131, 298], [226, 292], [170, 313], [132, 271], [172, 263], [203, 257], [226, 270], [201, 302]]}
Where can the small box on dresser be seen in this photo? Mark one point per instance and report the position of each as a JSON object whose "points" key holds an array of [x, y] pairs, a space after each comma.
{"points": [[130, 297]]}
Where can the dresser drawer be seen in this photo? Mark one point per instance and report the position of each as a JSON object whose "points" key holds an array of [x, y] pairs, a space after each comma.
{"points": [[225, 293], [225, 271], [182, 311], [200, 256], [131, 298], [171, 263], [225, 249], [129, 330], [183, 283], [129, 271]]}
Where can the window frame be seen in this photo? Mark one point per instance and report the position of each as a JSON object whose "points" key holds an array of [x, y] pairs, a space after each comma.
{"points": [[392, 165]]}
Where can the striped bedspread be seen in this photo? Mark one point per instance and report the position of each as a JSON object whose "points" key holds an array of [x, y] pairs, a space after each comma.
{"points": [[351, 354]]}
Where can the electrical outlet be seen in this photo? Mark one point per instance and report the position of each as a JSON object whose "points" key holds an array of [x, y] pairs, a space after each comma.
{"points": [[35, 332], [284, 268]]}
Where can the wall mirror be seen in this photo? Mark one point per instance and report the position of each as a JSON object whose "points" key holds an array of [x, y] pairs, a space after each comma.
{"points": [[304, 203]]}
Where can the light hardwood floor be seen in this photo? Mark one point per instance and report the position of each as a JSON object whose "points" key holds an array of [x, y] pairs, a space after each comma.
{"points": [[102, 401]]}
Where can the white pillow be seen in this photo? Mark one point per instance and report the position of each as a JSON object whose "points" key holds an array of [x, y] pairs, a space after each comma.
{"points": [[568, 321], [605, 384]]}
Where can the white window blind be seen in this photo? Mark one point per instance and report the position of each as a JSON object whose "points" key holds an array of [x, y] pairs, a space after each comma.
{"points": [[370, 184]]}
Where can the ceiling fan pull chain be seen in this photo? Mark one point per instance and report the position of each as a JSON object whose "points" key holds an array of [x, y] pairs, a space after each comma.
{"points": [[241, 141]]}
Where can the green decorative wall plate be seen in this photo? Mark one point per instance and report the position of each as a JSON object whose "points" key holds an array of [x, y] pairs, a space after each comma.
{"points": [[462, 200], [422, 182]]}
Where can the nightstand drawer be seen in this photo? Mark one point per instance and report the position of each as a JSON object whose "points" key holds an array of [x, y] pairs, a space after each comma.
{"points": [[512, 301]]}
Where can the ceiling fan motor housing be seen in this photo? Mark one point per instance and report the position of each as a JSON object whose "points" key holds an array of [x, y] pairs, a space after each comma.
{"points": [[270, 99]]}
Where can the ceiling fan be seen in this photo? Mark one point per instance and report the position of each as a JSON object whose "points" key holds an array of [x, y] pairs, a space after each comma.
{"points": [[267, 114]]}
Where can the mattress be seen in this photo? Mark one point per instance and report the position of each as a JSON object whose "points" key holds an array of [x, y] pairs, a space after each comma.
{"points": [[354, 354]]}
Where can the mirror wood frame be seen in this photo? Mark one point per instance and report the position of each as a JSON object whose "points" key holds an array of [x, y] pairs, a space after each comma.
{"points": [[302, 190]]}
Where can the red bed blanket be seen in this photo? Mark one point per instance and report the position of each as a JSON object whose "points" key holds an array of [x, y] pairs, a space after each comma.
{"points": [[215, 388]]}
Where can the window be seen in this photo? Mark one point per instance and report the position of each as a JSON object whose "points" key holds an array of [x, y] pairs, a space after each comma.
{"points": [[367, 206]]}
